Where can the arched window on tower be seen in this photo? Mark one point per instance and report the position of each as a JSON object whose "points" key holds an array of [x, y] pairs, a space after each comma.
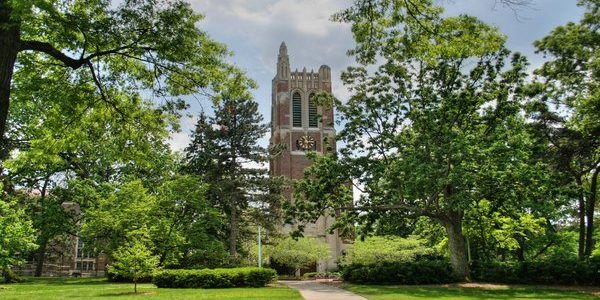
{"points": [[312, 112], [296, 110]]}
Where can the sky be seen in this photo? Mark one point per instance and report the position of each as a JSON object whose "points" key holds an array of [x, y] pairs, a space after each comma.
{"points": [[254, 29]]}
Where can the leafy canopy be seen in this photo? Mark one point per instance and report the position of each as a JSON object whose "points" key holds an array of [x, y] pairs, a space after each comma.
{"points": [[299, 253]]}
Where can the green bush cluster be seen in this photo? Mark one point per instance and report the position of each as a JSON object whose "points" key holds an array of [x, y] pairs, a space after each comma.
{"points": [[378, 249], [114, 277], [411, 272], [564, 271], [317, 275], [214, 278]]}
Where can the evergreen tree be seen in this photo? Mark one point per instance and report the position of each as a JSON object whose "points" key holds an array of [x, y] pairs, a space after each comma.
{"points": [[565, 108], [225, 152]]}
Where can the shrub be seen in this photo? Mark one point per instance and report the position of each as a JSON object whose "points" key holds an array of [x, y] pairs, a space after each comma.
{"points": [[378, 249], [566, 271], [214, 278], [114, 277], [10, 277], [134, 261], [300, 253], [412, 272], [321, 275]]}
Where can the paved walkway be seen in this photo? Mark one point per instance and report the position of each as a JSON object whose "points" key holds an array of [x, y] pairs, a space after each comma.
{"points": [[312, 290]]}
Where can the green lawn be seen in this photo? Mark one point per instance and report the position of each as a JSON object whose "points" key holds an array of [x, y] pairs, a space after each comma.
{"points": [[455, 293], [99, 288]]}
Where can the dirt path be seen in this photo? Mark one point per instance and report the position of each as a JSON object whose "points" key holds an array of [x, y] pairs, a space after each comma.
{"points": [[312, 290]]}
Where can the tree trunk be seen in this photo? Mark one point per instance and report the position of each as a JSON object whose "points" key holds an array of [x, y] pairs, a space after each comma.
{"points": [[591, 205], [135, 285], [41, 254], [165, 250], [457, 245], [9, 47], [581, 209], [521, 249], [233, 231], [40, 257]]}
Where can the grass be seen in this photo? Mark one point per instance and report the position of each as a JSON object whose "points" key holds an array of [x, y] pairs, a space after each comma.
{"points": [[464, 293], [99, 288]]}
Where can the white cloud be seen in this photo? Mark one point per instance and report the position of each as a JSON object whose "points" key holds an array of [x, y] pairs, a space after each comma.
{"points": [[180, 140], [253, 29], [310, 17]]}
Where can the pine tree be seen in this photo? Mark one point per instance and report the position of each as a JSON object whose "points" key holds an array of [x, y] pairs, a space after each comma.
{"points": [[225, 152]]}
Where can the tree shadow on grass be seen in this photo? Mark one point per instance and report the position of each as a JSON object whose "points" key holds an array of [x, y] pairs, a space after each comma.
{"points": [[65, 281], [127, 294], [470, 293]]}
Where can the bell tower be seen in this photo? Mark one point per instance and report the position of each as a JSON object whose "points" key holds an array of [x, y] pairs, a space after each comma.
{"points": [[297, 122], [299, 125]]}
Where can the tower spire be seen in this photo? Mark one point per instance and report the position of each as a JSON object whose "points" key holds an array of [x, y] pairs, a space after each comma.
{"points": [[283, 62], [282, 49]]}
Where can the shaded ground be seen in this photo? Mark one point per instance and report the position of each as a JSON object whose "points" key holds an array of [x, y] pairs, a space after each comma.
{"points": [[470, 291], [312, 290], [99, 288]]}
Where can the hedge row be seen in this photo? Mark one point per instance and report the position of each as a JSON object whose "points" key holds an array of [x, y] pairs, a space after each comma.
{"points": [[570, 272], [214, 278], [416, 272], [566, 272]]}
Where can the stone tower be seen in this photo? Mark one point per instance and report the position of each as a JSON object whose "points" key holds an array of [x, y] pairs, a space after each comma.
{"points": [[299, 125]]}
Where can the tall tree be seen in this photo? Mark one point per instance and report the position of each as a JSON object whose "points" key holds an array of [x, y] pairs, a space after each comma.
{"points": [[150, 45], [64, 138], [17, 235], [432, 130], [566, 111], [188, 231], [225, 152]]}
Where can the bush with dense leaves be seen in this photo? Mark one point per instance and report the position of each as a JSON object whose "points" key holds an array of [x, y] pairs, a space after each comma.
{"points": [[321, 275], [565, 271], [379, 249], [411, 272], [114, 277], [214, 278]]}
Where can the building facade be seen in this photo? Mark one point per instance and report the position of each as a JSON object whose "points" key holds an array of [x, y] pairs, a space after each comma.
{"points": [[65, 255], [299, 125]]}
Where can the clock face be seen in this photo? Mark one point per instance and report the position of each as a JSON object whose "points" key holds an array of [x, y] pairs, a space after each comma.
{"points": [[306, 143]]}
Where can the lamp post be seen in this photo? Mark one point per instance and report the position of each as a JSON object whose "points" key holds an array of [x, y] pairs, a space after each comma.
{"points": [[259, 249]]}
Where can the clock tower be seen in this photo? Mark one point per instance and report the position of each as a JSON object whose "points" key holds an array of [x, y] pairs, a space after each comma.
{"points": [[299, 125]]}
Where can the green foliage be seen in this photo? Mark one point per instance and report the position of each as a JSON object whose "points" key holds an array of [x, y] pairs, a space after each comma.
{"points": [[565, 109], [410, 272], [133, 261], [385, 249], [214, 278], [188, 230], [123, 46], [492, 231], [320, 275], [117, 277], [251, 258], [16, 235], [299, 253], [124, 214], [433, 124], [176, 222], [559, 271], [225, 153]]}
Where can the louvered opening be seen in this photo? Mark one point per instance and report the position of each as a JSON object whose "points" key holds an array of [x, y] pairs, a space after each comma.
{"points": [[296, 110], [312, 112]]}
